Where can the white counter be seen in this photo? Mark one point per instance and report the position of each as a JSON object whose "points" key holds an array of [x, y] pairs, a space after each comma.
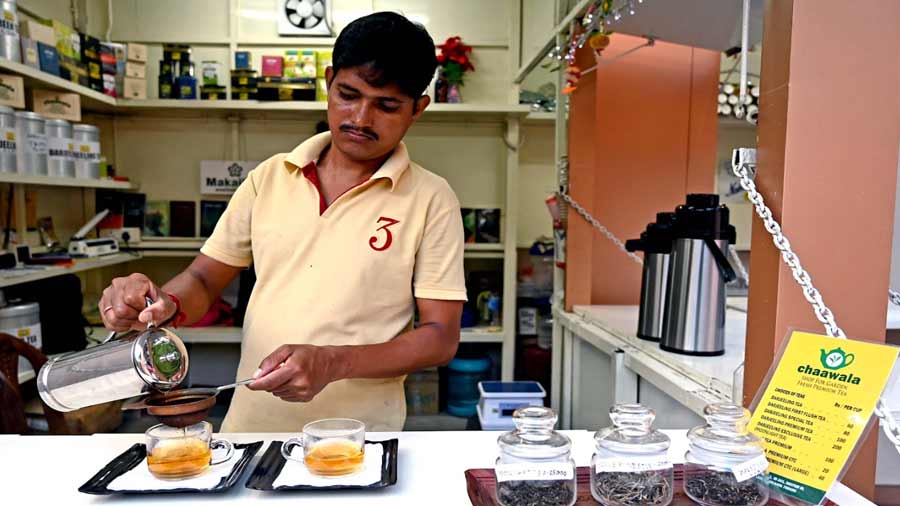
{"points": [[431, 469]]}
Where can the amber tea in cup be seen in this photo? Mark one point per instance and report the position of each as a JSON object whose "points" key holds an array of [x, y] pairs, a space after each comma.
{"points": [[333, 447], [176, 454]]}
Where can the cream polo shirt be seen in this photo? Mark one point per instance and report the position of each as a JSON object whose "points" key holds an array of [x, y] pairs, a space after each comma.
{"points": [[347, 274]]}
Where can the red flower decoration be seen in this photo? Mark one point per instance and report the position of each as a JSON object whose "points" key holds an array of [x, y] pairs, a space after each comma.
{"points": [[454, 58]]}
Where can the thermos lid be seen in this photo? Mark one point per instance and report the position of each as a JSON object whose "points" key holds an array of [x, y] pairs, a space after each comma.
{"points": [[657, 238], [702, 217], [160, 358]]}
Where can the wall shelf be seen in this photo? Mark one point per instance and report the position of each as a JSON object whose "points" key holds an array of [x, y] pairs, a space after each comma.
{"points": [[25, 179], [18, 276], [34, 78]]}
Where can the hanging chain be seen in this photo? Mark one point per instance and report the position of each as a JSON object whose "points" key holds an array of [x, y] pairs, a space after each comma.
{"points": [[742, 162], [894, 297], [599, 226]]}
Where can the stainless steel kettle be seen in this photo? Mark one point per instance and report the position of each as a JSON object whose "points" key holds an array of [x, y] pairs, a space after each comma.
{"points": [[656, 243], [698, 270], [119, 368]]}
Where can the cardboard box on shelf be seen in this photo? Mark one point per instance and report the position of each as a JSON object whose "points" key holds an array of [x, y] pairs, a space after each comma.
{"points": [[300, 63], [68, 43], [74, 71], [56, 105], [323, 61], [135, 88], [136, 69], [242, 59], [321, 90], [272, 66], [12, 91], [37, 31], [136, 52], [48, 59], [30, 53]]}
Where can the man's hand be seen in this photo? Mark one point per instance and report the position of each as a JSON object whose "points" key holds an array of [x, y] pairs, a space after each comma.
{"points": [[298, 372], [123, 305]]}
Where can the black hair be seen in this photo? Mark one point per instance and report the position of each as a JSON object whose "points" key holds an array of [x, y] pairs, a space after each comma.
{"points": [[393, 48]]}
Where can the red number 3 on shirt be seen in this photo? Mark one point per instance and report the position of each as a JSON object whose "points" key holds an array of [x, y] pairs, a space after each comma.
{"points": [[388, 238]]}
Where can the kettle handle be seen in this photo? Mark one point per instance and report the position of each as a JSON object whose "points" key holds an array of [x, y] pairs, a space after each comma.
{"points": [[150, 324], [725, 268]]}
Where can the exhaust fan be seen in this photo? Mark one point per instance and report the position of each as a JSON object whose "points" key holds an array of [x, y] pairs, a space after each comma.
{"points": [[304, 17]]}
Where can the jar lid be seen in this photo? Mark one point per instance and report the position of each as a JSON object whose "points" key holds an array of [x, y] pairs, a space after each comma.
{"points": [[631, 431], [726, 431], [29, 115], [58, 122], [84, 127], [15, 310], [469, 364], [534, 437], [6, 110], [160, 358]]}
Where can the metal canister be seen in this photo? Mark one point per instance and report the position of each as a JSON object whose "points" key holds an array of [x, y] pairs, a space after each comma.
{"points": [[60, 147], [118, 369], [9, 31], [87, 150], [656, 243], [22, 321], [31, 143], [698, 272], [7, 139]]}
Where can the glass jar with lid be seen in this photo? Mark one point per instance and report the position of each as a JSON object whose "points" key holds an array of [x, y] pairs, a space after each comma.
{"points": [[535, 466], [631, 466], [726, 463]]}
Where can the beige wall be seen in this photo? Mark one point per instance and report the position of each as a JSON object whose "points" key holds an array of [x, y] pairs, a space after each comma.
{"points": [[163, 154]]}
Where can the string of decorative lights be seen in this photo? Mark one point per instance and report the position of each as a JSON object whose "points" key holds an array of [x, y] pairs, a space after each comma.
{"points": [[597, 19]]}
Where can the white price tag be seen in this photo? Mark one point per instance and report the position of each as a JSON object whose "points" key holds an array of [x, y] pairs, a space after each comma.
{"points": [[59, 148], [533, 472], [37, 143], [750, 469], [633, 465], [7, 140]]}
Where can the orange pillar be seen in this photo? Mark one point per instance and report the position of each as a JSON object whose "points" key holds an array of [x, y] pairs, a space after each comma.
{"points": [[642, 134], [828, 142]]}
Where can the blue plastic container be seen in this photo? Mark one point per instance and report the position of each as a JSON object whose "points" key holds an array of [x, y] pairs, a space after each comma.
{"points": [[462, 384]]}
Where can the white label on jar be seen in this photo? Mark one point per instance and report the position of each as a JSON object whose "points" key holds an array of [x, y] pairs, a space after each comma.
{"points": [[7, 141], [59, 148], [87, 151], [534, 471], [36, 143], [31, 335], [9, 25], [750, 469], [633, 464]]}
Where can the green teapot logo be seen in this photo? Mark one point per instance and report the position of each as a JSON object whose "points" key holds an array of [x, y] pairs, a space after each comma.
{"points": [[836, 359]]}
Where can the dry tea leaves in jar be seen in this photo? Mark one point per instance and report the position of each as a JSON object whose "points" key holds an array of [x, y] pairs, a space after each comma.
{"points": [[535, 467], [726, 463], [536, 493], [631, 466]]}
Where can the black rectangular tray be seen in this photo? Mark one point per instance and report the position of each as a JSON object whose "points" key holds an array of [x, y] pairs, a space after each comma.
{"points": [[272, 462], [133, 456]]}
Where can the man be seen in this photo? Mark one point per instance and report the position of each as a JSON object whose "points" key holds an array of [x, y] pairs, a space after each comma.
{"points": [[347, 237]]}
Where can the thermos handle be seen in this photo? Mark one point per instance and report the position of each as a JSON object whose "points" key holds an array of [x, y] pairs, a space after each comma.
{"points": [[150, 324], [725, 268]]}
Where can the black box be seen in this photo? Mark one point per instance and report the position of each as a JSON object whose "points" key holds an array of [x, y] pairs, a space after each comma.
{"points": [[244, 78], [90, 47], [74, 71], [177, 52], [244, 93], [210, 212], [183, 216], [287, 89], [213, 93]]}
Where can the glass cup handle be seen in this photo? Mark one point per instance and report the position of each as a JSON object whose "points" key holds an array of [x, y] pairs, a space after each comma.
{"points": [[216, 444], [288, 446]]}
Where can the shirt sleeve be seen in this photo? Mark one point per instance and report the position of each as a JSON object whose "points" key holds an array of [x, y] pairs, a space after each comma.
{"points": [[439, 270], [230, 241]]}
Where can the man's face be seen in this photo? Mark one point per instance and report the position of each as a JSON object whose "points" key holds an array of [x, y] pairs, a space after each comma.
{"points": [[367, 122]]}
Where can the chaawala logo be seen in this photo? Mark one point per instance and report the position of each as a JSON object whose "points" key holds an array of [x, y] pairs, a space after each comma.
{"points": [[832, 361]]}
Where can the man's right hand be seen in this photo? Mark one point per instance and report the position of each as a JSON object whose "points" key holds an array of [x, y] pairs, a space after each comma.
{"points": [[123, 304]]}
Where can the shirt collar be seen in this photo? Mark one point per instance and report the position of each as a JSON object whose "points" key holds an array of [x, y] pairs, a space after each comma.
{"points": [[308, 152]]}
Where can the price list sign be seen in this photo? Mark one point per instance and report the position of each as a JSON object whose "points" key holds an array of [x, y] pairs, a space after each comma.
{"points": [[814, 409]]}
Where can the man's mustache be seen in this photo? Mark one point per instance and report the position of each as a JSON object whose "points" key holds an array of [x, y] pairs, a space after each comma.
{"points": [[368, 132]]}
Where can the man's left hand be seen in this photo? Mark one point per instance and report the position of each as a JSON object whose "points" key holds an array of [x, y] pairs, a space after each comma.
{"points": [[297, 372]]}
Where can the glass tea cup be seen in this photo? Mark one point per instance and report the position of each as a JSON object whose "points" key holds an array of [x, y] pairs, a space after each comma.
{"points": [[176, 454], [331, 447]]}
